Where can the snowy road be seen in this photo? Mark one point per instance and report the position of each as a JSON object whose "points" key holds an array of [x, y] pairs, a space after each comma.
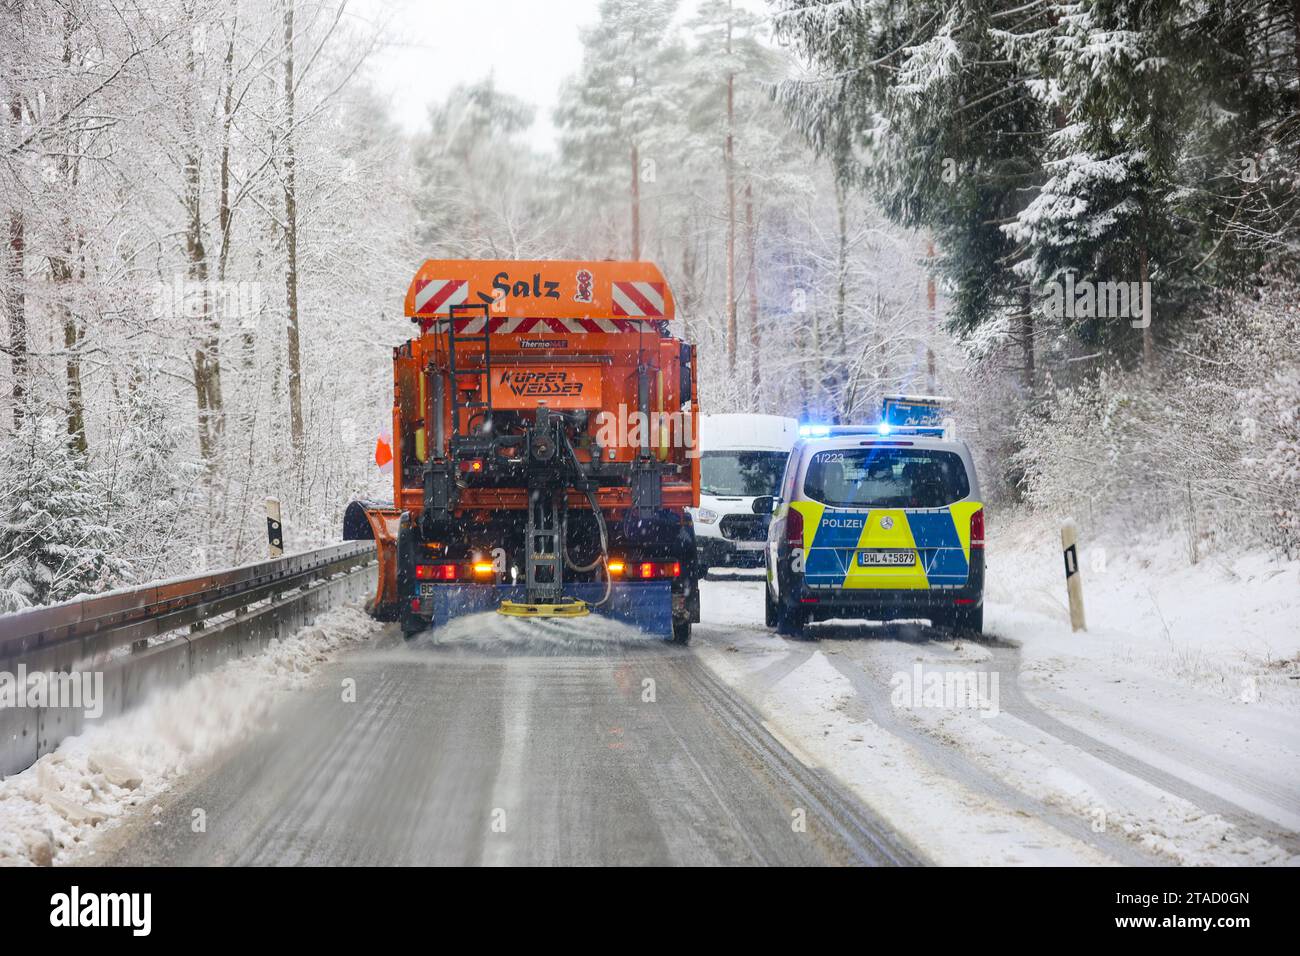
{"points": [[507, 741], [503, 742]]}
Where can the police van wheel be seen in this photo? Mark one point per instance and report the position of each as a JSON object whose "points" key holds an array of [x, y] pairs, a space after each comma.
{"points": [[969, 620], [790, 621], [769, 607]]}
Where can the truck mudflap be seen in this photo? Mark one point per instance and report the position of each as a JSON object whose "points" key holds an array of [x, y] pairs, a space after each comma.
{"points": [[647, 605]]}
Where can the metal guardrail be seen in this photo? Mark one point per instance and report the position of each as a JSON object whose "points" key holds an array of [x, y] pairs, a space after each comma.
{"points": [[101, 623], [204, 620]]}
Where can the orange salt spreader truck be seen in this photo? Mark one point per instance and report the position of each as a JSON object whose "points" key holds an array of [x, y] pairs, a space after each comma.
{"points": [[544, 449]]}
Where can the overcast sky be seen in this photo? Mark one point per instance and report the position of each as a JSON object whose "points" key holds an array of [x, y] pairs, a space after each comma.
{"points": [[529, 46]]}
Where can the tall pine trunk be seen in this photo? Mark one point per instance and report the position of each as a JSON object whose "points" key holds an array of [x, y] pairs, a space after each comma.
{"points": [[207, 353], [932, 317], [837, 383], [1148, 338], [686, 302], [61, 270], [729, 162], [636, 205], [755, 370], [1027, 345], [15, 288], [291, 240]]}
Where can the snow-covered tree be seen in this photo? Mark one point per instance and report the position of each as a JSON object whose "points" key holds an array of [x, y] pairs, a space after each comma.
{"points": [[611, 114], [56, 536], [925, 105]]}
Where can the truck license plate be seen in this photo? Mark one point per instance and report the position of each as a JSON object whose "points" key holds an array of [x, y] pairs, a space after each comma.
{"points": [[888, 559]]}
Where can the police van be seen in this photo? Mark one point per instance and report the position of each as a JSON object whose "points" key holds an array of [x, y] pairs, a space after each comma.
{"points": [[880, 522]]}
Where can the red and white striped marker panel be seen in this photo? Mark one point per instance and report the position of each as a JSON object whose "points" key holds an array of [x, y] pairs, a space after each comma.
{"points": [[509, 325], [639, 299], [436, 296]]}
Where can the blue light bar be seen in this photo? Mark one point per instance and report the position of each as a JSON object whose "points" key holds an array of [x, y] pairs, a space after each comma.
{"points": [[884, 429]]}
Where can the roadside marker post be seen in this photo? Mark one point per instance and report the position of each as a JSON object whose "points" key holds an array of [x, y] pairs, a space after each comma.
{"points": [[1073, 582], [274, 529]]}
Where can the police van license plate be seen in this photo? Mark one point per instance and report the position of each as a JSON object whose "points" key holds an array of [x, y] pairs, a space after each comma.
{"points": [[886, 559]]}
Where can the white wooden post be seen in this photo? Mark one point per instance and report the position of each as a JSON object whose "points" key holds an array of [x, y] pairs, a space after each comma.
{"points": [[274, 529], [1073, 582]]}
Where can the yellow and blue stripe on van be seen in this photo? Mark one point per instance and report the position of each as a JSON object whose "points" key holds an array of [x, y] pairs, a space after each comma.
{"points": [[939, 537]]}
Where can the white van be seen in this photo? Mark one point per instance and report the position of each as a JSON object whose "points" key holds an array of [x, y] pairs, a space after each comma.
{"points": [[742, 458]]}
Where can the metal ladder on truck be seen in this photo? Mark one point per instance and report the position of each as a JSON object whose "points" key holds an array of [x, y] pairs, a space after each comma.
{"points": [[459, 440]]}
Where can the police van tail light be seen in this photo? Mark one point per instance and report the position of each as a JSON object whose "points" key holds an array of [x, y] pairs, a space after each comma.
{"points": [[794, 528], [977, 530]]}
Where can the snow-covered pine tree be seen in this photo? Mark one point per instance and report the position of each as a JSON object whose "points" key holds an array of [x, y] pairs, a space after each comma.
{"points": [[742, 161], [1164, 117], [923, 103], [477, 195], [153, 486], [56, 536], [1118, 73], [611, 114]]}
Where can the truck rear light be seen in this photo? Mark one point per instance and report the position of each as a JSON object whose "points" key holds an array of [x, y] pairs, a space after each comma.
{"points": [[484, 567], [963, 601], [616, 566], [659, 569], [415, 605], [808, 600], [794, 528], [435, 572], [471, 465], [977, 530]]}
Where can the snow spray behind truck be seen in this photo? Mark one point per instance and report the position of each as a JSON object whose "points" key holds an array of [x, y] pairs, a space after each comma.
{"points": [[544, 451]]}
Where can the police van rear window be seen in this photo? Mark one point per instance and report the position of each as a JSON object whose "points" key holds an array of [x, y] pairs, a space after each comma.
{"points": [[886, 478]]}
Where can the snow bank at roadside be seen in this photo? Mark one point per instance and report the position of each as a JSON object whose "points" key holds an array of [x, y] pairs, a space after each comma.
{"points": [[1228, 624], [50, 812], [1070, 779]]}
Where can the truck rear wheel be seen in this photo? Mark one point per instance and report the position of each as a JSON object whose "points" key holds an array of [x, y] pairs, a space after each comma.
{"points": [[412, 624], [681, 630]]}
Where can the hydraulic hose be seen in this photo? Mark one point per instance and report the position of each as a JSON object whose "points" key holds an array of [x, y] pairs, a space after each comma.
{"points": [[602, 559]]}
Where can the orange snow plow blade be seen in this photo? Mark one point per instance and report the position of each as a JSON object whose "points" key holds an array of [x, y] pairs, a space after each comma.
{"points": [[365, 520]]}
